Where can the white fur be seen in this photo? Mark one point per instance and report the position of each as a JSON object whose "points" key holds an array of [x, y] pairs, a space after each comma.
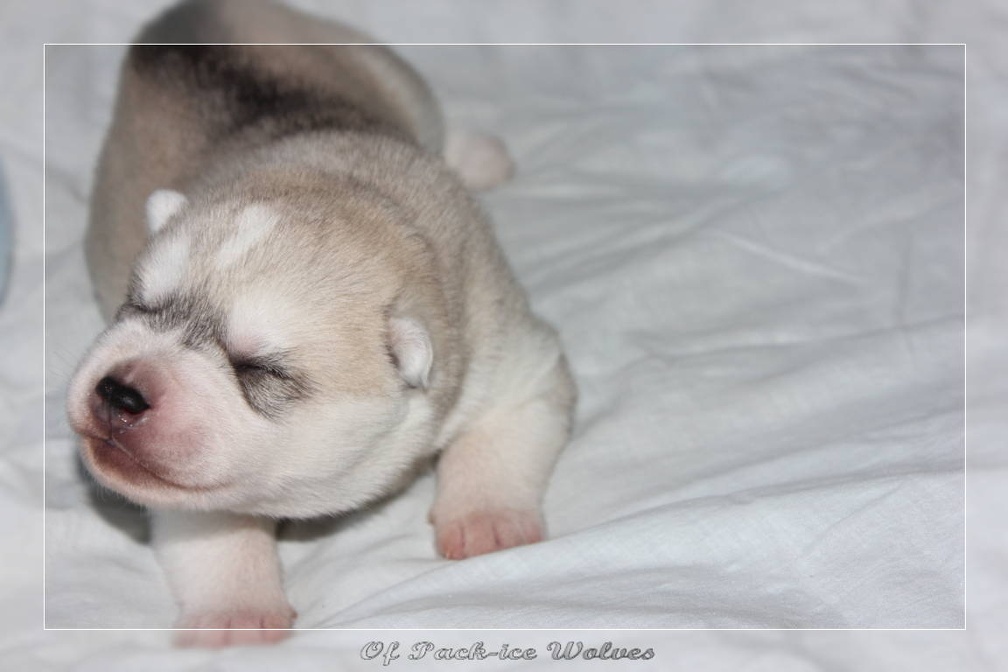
{"points": [[358, 453], [481, 160], [254, 224], [164, 267], [224, 572], [259, 321], [412, 347], [162, 205], [501, 450]]}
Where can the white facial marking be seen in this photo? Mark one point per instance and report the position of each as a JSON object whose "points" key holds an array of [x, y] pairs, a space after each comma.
{"points": [[254, 323], [162, 205], [163, 269], [253, 223]]}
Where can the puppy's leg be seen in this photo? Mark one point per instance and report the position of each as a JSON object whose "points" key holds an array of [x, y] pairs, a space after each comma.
{"points": [[481, 160], [491, 479], [224, 572]]}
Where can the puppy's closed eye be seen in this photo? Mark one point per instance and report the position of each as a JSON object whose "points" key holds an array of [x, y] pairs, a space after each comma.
{"points": [[267, 384], [246, 368]]}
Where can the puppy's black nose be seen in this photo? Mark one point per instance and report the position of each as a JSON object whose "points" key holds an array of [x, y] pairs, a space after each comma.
{"points": [[121, 397]]}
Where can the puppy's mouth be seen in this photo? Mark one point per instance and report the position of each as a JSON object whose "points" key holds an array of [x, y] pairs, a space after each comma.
{"points": [[120, 469]]}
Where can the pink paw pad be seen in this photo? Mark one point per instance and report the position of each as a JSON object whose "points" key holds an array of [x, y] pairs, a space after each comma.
{"points": [[234, 628], [487, 531]]}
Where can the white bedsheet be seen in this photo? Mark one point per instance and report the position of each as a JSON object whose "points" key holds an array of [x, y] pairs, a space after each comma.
{"points": [[755, 256]]}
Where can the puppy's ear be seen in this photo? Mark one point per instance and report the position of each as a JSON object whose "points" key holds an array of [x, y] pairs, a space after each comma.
{"points": [[411, 350], [162, 205]]}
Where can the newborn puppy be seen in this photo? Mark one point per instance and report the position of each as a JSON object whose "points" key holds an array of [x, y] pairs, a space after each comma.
{"points": [[305, 303]]}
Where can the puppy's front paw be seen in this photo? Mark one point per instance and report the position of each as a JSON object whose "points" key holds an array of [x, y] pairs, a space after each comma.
{"points": [[235, 627], [482, 532]]}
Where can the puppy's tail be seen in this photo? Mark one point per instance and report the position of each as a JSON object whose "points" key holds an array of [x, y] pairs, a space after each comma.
{"points": [[480, 159]]}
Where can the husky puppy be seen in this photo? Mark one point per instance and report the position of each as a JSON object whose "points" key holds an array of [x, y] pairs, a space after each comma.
{"points": [[305, 304]]}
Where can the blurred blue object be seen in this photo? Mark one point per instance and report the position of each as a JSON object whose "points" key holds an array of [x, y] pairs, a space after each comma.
{"points": [[5, 234]]}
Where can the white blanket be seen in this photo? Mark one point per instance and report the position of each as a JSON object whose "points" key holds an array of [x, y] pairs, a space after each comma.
{"points": [[755, 256]]}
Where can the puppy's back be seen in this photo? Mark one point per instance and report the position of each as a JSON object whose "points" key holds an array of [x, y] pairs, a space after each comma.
{"points": [[312, 77], [199, 85]]}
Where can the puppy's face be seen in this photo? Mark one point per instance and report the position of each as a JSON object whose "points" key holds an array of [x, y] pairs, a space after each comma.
{"points": [[258, 365]]}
